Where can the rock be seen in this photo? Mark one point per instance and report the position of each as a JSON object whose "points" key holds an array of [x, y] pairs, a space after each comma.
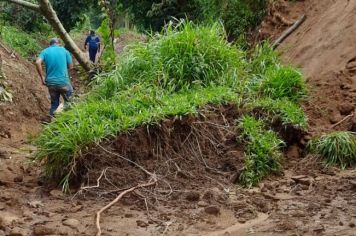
{"points": [[17, 232], [39, 230], [6, 219], [352, 225], [193, 196], [334, 118], [56, 194], [141, 223], [212, 210], [346, 108], [128, 215], [72, 223], [202, 204], [35, 204], [302, 179], [18, 179]]}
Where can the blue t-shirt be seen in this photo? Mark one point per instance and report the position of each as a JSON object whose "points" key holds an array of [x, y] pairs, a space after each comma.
{"points": [[93, 41], [56, 59]]}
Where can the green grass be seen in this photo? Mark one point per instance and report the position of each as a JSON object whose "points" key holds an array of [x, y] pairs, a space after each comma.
{"points": [[288, 112], [336, 148], [26, 44], [173, 74], [262, 155]]}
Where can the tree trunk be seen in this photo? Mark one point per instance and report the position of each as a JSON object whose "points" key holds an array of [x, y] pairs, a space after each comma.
{"points": [[46, 9]]}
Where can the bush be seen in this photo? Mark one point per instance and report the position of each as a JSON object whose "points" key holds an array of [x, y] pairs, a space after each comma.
{"points": [[149, 85], [262, 155], [283, 82], [183, 56], [337, 148]]}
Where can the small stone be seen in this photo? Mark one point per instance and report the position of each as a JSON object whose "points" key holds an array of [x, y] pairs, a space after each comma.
{"points": [[302, 179], [40, 230], [202, 204], [193, 196], [35, 204], [56, 194], [352, 225], [18, 179], [72, 223], [129, 215], [212, 210], [17, 232], [141, 223], [341, 223]]}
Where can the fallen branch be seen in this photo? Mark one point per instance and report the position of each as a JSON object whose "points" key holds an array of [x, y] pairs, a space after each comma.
{"points": [[152, 181], [343, 120], [288, 31]]}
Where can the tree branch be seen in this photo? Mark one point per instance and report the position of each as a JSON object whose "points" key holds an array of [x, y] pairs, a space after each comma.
{"points": [[26, 4]]}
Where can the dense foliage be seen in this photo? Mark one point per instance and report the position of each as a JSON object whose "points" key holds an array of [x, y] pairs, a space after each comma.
{"points": [[172, 74]]}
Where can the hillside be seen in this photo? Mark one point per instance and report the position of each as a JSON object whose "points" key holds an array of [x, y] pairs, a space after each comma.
{"points": [[30, 103], [197, 194]]}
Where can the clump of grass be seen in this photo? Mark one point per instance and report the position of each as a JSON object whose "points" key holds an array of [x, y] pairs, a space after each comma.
{"points": [[262, 155], [171, 75], [288, 112], [336, 148], [263, 57], [283, 82]]}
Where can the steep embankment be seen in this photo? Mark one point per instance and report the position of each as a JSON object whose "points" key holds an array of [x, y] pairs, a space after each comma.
{"points": [[324, 48], [30, 104]]}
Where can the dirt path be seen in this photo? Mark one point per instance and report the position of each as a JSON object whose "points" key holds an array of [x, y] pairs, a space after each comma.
{"points": [[306, 199]]}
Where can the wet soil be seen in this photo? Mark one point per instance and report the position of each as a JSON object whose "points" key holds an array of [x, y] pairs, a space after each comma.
{"points": [[305, 199]]}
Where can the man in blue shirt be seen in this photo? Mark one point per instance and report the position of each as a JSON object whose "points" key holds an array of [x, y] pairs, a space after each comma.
{"points": [[57, 61], [94, 45]]}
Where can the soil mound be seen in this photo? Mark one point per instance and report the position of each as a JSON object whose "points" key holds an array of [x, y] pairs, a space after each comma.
{"points": [[30, 103]]}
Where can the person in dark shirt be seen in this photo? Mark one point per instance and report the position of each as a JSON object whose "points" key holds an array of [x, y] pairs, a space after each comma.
{"points": [[94, 45]]}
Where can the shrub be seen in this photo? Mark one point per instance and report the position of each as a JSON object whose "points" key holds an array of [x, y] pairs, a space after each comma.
{"points": [[149, 85], [283, 82], [337, 148], [262, 155]]}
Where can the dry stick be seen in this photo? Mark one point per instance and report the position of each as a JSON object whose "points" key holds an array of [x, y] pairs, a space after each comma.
{"points": [[149, 183], [345, 118], [289, 31]]}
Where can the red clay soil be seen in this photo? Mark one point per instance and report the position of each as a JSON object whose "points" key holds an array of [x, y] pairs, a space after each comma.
{"points": [[324, 47], [306, 199], [30, 102]]}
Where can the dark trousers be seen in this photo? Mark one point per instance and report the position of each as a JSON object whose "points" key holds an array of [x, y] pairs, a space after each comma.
{"points": [[55, 93], [92, 54]]}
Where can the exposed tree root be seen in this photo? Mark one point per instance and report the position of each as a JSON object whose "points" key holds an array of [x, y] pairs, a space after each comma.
{"points": [[151, 182]]}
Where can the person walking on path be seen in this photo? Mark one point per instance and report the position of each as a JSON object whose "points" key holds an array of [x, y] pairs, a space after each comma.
{"points": [[57, 61], [94, 45]]}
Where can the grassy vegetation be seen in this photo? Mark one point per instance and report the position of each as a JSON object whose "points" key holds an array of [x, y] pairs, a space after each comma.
{"points": [[26, 44], [172, 74], [262, 150], [336, 148]]}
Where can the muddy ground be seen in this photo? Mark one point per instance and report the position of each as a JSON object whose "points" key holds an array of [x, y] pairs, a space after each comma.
{"points": [[305, 199]]}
